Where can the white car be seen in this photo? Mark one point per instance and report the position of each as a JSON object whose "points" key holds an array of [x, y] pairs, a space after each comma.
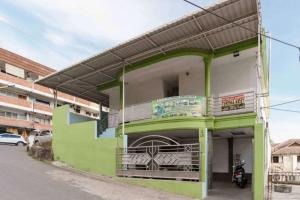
{"points": [[39, 137], [8, 138]]}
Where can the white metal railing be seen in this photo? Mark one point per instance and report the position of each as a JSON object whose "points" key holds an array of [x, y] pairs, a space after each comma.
{"points": [[137, 112], [113, 118], [232, 104], [217, 106]]}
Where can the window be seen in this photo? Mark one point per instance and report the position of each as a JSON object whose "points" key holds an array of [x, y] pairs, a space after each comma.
{"points": [[275, 159], [298, 159], [22, 116], [42, 101], [14, 115], [171, 87], [87, 113], [15, 136], [20, 96], [2, 113]]}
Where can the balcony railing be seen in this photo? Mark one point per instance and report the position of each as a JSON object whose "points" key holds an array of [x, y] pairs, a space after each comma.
{"points": [[193, 106], [16, 101], [39, 88], [285, 177], [42, 107], [232, 104]]}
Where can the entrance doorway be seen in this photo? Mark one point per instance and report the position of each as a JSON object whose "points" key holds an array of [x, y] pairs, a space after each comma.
{"points": [[229, 147]]}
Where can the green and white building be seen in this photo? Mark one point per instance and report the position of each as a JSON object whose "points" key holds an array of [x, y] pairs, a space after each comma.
{"points": [[184, 105]]}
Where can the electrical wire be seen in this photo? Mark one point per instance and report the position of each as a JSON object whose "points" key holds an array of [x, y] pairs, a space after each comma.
{"points": [[285, 110], [246, 28], [283, 103]]}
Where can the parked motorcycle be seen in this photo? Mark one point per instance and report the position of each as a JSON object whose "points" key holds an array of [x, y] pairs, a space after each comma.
{"points": [[239, 175]]}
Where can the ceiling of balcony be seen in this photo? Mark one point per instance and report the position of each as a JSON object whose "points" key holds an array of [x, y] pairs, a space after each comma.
{"points": [[199, 30]]}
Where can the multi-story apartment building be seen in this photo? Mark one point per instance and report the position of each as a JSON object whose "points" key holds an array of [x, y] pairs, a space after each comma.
{"points": [[186, 103], [25, 105]]}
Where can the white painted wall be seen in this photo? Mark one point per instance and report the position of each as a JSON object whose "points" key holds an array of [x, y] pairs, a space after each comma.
{"points": [[193, 83], [114, 98], [243, 146], [234, 77], [140, 92], [220, 155], [295, 166], [287, 162]]}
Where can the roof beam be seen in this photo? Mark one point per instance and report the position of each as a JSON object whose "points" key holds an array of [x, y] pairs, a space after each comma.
{"points": [[70, 77], [82, 96], [119, 57], [201, 30], [154, 44], [92, 68]]}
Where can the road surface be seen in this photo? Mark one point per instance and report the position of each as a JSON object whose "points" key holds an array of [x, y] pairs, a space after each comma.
{"points": [[22, 177]]}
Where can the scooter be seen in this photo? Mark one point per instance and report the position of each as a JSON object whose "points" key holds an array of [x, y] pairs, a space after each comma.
{"points": [[239, 175]]}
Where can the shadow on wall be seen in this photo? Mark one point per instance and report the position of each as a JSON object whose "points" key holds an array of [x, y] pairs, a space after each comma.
{"points": [[75, 142]]}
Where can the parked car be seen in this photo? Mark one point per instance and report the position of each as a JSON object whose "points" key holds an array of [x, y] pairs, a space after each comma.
{"points": [[9, 138], [39, 137]]}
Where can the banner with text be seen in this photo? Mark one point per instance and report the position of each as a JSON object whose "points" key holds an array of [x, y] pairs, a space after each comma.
{"points": [[235, 102], [178, 106]]}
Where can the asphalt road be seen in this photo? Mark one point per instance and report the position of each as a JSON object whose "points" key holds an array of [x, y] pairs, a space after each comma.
{"points": [[22, 177]]}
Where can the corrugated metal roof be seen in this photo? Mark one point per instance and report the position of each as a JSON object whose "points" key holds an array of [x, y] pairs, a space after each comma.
{"points": [[291, 146], [199, 30]]}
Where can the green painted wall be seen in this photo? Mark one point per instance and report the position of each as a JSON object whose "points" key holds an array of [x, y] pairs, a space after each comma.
{"points": [[76, 144], [259, 162], [191, 189]]}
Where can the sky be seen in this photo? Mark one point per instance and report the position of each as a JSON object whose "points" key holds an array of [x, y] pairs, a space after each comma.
{"points": [[58, 33]]}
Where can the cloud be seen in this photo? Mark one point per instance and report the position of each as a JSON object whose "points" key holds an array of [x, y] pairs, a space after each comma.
{"points": [[56, 39], [4, 19], [96, 19]]}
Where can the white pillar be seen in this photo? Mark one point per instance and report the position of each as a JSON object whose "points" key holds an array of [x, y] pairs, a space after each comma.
{"points": [[123, 101]]}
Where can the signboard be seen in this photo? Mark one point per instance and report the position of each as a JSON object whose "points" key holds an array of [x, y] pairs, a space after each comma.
{"points": [[235, 102], [178, 106]]}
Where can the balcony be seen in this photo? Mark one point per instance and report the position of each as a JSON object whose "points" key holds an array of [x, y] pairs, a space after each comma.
{"points": [[16, 102], [22, 123], [187, 106], [30, 86], [15, 80], [42, 107]]}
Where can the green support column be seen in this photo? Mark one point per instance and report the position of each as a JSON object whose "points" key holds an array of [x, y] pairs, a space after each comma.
{"points": [[207, 62], [259, 162], [203, 161]]}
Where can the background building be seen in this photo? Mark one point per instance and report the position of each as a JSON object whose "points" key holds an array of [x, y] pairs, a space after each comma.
{"points": [[286, 156], [25, 105]]}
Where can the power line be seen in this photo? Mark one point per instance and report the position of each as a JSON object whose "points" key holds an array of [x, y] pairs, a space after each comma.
{"points": [[286, 110], [283, 103], [246, 28]]}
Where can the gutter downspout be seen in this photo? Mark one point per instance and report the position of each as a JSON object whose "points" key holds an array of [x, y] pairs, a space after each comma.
{"points": [[123, 101]]}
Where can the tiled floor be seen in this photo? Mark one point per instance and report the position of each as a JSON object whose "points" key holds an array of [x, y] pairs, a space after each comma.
{"points": [[229, 191]]}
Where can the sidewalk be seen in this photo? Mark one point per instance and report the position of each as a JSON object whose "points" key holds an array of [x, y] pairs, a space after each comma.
{"points": [[108, 188]]}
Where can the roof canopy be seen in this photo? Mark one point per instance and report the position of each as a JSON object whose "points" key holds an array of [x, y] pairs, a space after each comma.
{"points": [[200, 30]]}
